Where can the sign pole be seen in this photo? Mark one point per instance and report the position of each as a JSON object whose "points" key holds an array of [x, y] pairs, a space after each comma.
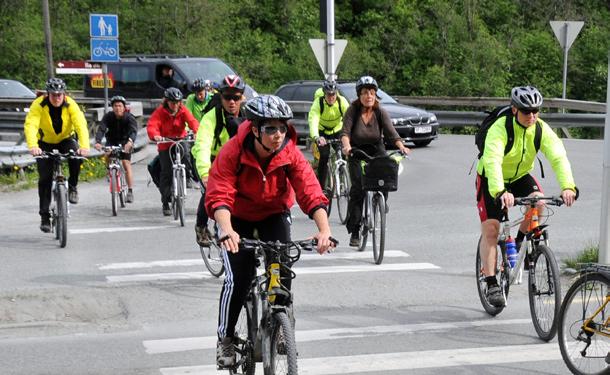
{"points": [[105, 73], [330, 40], [604, 230], [565, 60]]}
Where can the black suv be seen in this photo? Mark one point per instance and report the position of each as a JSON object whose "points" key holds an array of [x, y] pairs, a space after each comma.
{"points": [[139, 76], [412, 124]]}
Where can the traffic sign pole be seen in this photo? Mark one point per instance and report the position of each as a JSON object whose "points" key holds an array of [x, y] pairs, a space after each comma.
{"points": [[565, 60], [330, 40], [604, 230], [105, 73]]}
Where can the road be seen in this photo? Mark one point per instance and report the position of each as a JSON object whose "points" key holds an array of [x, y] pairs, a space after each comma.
{"points": [[130, 295]]}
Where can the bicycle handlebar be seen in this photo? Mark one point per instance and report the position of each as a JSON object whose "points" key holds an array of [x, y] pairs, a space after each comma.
{"points": [[55, 154], [530, 201], [188, 138], [359, 152]]}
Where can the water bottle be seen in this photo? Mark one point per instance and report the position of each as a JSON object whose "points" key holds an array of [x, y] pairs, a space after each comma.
{"points": [[511, 252]]}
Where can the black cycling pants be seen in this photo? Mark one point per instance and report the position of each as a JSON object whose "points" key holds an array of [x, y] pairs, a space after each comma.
{"points": [[324, 156], [240, 267], [45, 171]]}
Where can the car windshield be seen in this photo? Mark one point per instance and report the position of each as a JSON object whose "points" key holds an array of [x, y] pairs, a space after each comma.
{"points": [[349, 91], [14, 89], [214, 70]]}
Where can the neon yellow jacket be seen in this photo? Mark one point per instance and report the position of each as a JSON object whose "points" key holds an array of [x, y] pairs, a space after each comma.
{"points": [[203, 149], [330, 122], [38, 124], [500, 169]]}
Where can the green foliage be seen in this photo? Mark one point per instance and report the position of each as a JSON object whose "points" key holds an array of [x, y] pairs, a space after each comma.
{"points": [[590, 254]]}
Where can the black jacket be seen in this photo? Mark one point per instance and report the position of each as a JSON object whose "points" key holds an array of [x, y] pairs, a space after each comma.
{"points": [[117, 131]]}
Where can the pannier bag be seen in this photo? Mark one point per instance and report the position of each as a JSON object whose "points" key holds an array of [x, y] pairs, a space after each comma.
{"points": [[380, 174]]}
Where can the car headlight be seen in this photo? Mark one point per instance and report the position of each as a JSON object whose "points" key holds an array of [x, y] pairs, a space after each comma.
{"points": [[395, 121], [433, 118]]}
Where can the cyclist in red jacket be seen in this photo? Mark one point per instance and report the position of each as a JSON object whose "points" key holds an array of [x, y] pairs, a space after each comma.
{"points": [[170, 120], [250, 187]]}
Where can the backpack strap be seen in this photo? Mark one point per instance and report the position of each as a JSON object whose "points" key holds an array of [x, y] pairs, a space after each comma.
{"points": [[321, 98], [537, 140], [218, 128], [510, 133]]}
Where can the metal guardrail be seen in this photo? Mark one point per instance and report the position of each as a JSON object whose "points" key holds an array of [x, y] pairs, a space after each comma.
{"points": [[556, 120]]}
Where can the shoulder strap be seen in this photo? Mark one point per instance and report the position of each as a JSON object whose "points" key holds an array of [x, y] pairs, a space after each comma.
{"points": [[510, 133], [321, 105], [339, 103], [218, 127], [537, 140]]}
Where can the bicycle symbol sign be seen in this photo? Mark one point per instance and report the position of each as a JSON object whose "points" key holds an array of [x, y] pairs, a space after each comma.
{"points": [[104, 50]]}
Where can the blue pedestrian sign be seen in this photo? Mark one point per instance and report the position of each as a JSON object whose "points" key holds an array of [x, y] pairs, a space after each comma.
{"points": [[104, 50], [103, 26]]}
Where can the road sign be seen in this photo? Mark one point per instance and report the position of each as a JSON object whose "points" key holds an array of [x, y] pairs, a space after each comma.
{"points": [[319, 50], [566, 31], [77, 67], [104, 50], [103, 26]]}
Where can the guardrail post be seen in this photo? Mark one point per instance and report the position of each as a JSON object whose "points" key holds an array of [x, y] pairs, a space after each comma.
{"points": [[604, 230]]}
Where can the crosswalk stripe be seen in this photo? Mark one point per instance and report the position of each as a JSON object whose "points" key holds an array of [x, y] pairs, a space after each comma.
{"points": [[118, 229], [209, 342], [406, 360], [300, 271], [199, 261]]}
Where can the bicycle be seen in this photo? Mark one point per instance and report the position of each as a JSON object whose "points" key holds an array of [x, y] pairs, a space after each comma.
{"points": [[176, 150], [544, 287], [584, 322], [116, 177], [337, 180], [265, 328], [60, 207], [375, 207]]}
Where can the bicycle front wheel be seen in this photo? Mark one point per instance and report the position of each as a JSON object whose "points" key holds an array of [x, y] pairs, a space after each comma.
{"points": [[283, 347], [114, 196], [212, 257], [378, 227], [180, 197], [342, 190], [62, 215], [502, 272], [583, 333], [329, 188], [544, 290], [122, 184], [244, 346]]}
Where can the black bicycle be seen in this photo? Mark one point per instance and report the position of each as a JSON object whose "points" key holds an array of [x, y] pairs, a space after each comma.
{"points": [[60, 207]]}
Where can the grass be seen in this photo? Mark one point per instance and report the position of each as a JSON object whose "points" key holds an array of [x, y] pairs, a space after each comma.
{"points": [[589, 254]]}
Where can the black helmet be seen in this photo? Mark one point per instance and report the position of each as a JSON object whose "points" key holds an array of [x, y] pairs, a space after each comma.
{"points": [[232, 81], [56, 85], [173, 94], [329, 87], [201, 84], [525, 97], [366, 82], [118, 98], [267, 107]]}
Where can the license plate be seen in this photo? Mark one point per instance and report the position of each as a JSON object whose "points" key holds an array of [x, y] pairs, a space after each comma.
{"points": [[423, 129]]}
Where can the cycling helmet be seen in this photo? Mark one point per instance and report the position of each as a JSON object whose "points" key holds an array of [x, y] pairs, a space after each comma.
{"points": [[56, 85], [118, 98], [201, 84], [525, 97], [267, 107], [329, 87], [366, 82], [231, 81], [173, 94]]}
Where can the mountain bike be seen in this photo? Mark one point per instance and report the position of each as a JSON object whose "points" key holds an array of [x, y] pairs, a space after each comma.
{"points": [[584, 322], [375, 206], [544, 288], [60, 207], [116, 177], [337, 180], [265, 328], [176, 152]]}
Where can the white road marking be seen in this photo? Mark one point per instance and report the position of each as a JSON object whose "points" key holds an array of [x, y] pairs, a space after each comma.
{"points": [[209, 342], [406, 360], [117, 229]]}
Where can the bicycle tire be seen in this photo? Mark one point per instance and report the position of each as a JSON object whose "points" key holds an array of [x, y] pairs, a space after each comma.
{"points": [[113, 191], [502, 270], [62, 214], [583, 298], [180, 197], [122, 188], [343, 186], [213, 258], [378, 227], [329, 188], [364, 224], [283, 347], [244, 347], [544, 291]]}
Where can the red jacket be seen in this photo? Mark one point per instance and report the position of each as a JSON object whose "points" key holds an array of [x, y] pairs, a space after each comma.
{"points": [[237, 182], [163, 123]]}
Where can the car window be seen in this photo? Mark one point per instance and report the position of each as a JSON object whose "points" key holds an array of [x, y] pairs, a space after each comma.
{"points": [[134, 77], [286, 92], [14, 89], [214, 70], [305, 92], [348, 90]]}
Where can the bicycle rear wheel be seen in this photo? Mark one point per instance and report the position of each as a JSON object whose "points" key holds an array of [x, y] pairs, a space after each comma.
{"points": [[342, 189], [283, 347], [544, 290], [244, 347], [502, 273], [114, 191], [378, 227], [62, 215], [585, 352]]}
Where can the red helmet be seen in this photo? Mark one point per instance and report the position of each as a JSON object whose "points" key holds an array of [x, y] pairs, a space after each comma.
{"points": [[231, 81]]}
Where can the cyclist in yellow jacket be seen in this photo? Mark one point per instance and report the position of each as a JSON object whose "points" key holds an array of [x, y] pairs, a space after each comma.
{"points": [[51, 123], [501, 177], [325, 122]]}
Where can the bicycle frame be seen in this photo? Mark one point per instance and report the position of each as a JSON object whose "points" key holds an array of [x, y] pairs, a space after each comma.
{"points": [[604, 328]]}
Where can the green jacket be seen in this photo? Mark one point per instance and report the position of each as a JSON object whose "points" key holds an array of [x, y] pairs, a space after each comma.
{"points": [[330, 121], [202, 149], [195, 106], [501, 169]]}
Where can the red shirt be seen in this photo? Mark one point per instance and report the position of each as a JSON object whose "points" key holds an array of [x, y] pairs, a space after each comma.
{"points": [[237, 181], [163, 123]]}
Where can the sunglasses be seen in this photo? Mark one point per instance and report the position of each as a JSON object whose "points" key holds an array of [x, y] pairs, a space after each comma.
{"points": [[228, 97], [271, 130], [529, 111]]}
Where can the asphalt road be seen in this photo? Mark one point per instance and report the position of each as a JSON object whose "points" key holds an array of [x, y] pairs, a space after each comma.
{"points": [[130, 294]]}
